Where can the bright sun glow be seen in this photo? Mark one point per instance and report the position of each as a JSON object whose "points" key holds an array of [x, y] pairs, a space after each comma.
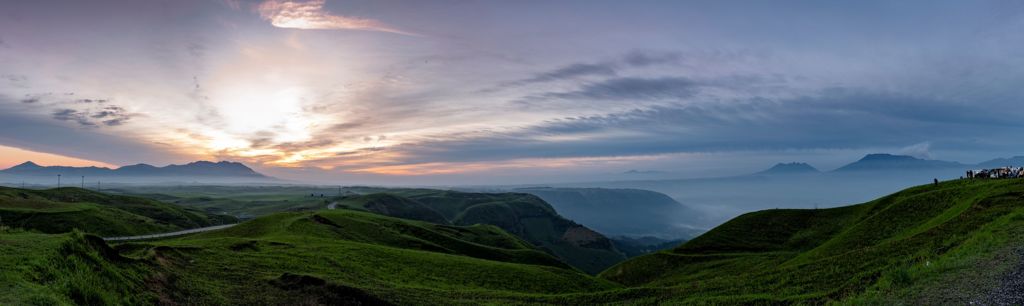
{"points": [[249, 109]]}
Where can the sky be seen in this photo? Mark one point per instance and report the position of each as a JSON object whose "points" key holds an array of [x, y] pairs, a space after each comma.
{"points": [[487, 92]]}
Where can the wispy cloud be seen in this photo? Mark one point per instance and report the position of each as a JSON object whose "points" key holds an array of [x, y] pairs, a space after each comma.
{"points": [[311, 15]]}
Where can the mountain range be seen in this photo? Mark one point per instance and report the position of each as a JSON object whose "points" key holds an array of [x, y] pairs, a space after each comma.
{"points": [[884, 162], [193, 169]]}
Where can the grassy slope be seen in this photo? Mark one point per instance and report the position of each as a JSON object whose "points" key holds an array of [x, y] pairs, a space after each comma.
{"points": [[68, 269], [239, 201], [60, 211], [523, 215], [401, 261], [945, 244], [926, 245], [395, 206]]}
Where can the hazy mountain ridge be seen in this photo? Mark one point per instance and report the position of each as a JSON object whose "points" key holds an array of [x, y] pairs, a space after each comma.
{"points": [[790, 168], [624, 212], [875, 162], [198, 169], [874, 175]]}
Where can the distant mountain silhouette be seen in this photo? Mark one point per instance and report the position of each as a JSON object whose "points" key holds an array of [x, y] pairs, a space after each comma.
{"points": [[644, 172], [876, 162], [196, 169], [790, 168], [1015, 161]]}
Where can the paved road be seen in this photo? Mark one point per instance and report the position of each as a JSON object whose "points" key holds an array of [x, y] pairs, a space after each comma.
{"points": [[171, 234], [333, 205]]}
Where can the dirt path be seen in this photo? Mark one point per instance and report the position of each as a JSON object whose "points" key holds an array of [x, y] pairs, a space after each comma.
{"points": [[1011, 289]]}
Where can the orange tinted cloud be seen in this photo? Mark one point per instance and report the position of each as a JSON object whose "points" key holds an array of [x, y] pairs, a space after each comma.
{"points": [[311, 15]]}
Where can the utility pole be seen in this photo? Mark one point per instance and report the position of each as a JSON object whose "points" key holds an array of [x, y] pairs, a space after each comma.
{"points": [[83, 182]]}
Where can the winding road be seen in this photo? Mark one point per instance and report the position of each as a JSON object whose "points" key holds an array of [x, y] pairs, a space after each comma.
{"points": [[333, 205], [171, 234]]}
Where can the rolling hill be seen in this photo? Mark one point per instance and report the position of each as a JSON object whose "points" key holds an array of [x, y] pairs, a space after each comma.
{"points": [[943, 244], [520, 214], [955, 243], [61, 211], [336, 257]]}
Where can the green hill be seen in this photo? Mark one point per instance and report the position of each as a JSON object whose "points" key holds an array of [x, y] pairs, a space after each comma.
{"points": [[925, 245], [60, 211], [395, 206], [520, 214], [955, 243], [308, 258]]}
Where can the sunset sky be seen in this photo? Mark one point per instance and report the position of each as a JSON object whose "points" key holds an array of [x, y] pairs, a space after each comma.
{"points": [[507, 91]]}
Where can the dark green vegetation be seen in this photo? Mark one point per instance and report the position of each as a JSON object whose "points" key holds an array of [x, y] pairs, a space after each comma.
{"points": [[946, 244], [60, 211], [633, 247], [240, 201], [325, 257], [523, 215], [926, 245], [68, 269]]}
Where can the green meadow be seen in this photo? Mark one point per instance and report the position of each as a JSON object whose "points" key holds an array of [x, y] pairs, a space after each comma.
{"points": [[947, 244]]}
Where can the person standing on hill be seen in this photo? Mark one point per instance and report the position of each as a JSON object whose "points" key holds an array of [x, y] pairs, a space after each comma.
{"points": [[936, 182]]}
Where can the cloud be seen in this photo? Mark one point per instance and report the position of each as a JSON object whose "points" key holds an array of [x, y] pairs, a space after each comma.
{"points": [[113, 115], [831, 119], [109, 116], [610, 68], [42, 135], [638, 58], [310, 15], [633, 88], [571, 72], [32, 99], [920, 150], [67, 114]]}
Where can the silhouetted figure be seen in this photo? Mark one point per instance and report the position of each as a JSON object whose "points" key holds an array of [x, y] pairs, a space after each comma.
{"points": [[936, 182]]}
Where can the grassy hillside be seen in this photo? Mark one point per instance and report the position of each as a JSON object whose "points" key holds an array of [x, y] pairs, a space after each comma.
{"points": [[60, 211], [930, 244], [956, 243], [68, 269], [392, 205], [240, 201], [520, 214], [313, 258]]}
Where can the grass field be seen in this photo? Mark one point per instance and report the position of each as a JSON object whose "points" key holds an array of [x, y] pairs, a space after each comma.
{"points": [[946, 244], [918, 246], [520, 214], [60, 211]]}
